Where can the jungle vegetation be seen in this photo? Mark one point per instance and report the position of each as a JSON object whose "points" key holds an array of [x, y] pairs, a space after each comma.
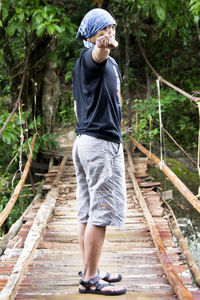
{"points": [[38, 49]]}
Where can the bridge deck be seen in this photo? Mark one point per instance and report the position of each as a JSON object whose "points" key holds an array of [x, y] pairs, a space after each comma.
{"points": [[52, 271]]}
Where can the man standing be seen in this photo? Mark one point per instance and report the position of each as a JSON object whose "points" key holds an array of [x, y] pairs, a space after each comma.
{"points": [[97, 151]]}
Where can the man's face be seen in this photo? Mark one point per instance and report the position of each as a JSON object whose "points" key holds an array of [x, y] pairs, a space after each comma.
{"points": [[111, 30]]}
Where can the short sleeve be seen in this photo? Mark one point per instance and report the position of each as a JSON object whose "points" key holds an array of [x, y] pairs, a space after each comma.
{"points": [[90, 65]]}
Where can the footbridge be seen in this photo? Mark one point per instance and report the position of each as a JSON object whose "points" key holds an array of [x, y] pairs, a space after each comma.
{"points": [[41, 258]]}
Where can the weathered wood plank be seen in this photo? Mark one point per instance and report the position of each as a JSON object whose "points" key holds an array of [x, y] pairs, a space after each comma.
{"points": [[128, 296], [31, 243], [181, 291]]}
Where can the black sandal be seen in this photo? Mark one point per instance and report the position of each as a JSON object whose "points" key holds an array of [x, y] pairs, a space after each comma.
{"points": [[98, 288], [106, 277]]}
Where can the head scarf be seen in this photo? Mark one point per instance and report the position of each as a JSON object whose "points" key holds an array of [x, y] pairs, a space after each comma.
{"points": [[95, 20]]}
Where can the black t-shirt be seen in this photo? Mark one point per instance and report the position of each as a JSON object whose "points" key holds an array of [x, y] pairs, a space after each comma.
{"points": [[97, 94]]}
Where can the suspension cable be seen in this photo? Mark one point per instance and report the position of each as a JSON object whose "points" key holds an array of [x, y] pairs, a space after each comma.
{"points": [[179, 146], [20, 147], [150, 127], [161, 124]]}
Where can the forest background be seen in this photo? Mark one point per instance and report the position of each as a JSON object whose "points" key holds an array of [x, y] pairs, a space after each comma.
{"points": [[38, 50]]}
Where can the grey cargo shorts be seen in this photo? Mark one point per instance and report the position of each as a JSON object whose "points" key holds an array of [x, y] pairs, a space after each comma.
{"points": [[100, 176]]}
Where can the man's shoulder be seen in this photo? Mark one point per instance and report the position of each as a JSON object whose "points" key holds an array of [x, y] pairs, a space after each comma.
{"points": [[79, 61], [85, 51], [113, 61], [85, 55]]}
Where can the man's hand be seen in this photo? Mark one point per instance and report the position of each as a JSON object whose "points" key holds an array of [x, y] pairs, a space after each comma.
{"points": [[106, 41]]}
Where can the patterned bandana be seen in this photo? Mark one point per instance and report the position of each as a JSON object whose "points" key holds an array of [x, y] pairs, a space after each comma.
{"points": [[88, 44], [95, 20]]}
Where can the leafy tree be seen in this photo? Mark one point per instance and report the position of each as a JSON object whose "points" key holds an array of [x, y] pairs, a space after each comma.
{"points": [[167, 32], [33, 28]]}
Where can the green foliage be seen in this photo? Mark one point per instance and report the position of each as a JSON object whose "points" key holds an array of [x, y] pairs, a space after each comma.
{"points": [[66, 114], [195, 10], [168, 34], [47, 142], [10, 139], [51, 19], [34, 15], [168, 15], [181, 128], [146, 112], [12, 130], [22, 203], [4, 83], [22, 19], [42, 22], [14, 215]]}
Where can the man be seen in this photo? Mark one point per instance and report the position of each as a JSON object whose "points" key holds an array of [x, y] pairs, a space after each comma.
{"points": [[97, 151]]}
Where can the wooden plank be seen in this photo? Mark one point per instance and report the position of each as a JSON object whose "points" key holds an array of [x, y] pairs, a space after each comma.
{"points": [[181, 291], [132, 295], [60, 170], [31, 243], [149, 184]]}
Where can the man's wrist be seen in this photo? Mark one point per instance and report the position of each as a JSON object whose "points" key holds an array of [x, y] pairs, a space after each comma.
{"points": [[100, 54]]}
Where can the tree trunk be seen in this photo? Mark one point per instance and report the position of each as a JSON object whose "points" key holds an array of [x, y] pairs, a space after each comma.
{"points": [[50, 92]]}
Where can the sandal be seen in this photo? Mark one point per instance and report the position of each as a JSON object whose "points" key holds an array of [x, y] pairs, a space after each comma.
{"points": [[106, 277], [95, 282]]}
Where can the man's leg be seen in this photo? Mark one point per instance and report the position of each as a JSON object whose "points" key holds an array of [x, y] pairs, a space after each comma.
{"points": [[93, 243], [81, 238], [81, 235]]}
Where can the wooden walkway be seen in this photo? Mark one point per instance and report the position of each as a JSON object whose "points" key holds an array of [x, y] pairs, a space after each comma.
{"points": [[50, 271]]}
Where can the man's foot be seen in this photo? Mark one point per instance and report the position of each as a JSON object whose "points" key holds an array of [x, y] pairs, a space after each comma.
{"points": [[97, 286], [110, 277], [107, 276]]}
